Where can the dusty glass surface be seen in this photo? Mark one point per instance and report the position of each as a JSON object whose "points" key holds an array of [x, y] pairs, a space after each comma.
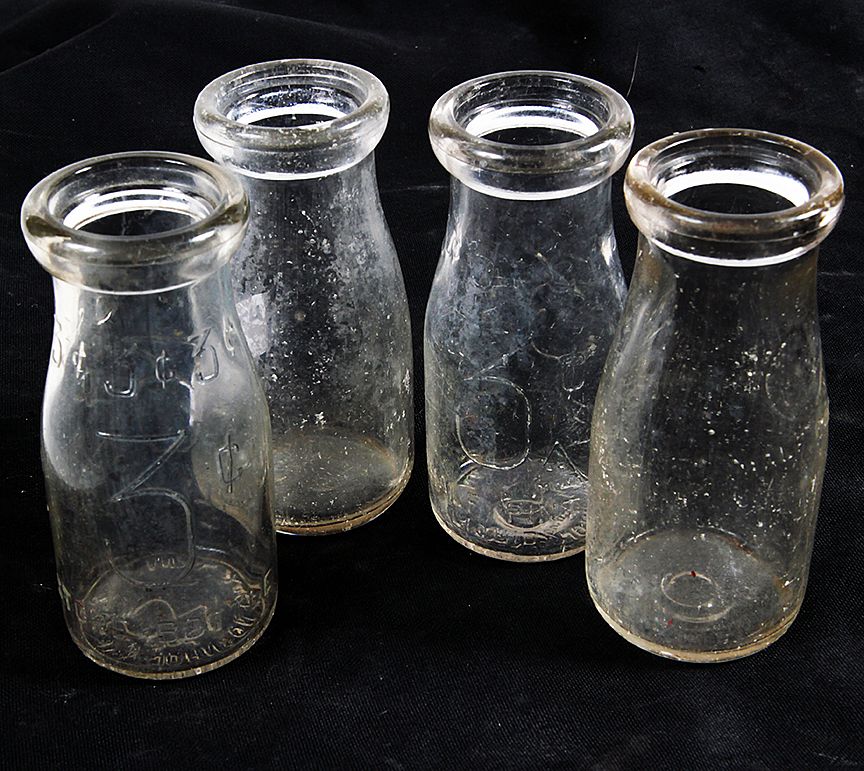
{"points": [[523, 307], [318, 284], [711, 421], [155, 434]]}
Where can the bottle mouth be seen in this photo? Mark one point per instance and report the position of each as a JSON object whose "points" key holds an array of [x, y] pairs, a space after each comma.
{"points": [[735, 197], [138, 222], [292, 118], [531, 134]]}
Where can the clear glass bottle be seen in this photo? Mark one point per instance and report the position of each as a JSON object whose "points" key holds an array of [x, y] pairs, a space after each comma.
{"points": [[711, 421], [523, 307], [319, 289], [155, 434]]}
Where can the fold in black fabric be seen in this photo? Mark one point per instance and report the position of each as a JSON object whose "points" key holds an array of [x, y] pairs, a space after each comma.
{"points": [[392, 646]]}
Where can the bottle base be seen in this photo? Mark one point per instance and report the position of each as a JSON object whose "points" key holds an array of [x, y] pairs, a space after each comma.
{"points": [[694, 657], [507, 556], [532, 512], [693, 595], [177, 674], [364, 516], [329, 480]]}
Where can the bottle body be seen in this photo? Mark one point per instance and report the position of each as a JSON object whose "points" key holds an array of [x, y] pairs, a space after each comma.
{"points": [[155, 432], [322, 302], [523, 307], [319, 288], [711, 421], [156, 459], [521, 314], [710, 435]]}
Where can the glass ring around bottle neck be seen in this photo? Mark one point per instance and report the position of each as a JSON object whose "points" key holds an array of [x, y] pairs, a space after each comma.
{"points": [[135, 222], [733, 197], [292, 118], [531, 134]]}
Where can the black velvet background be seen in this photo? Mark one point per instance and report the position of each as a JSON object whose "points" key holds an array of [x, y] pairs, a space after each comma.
{"points": [[392, 646]]}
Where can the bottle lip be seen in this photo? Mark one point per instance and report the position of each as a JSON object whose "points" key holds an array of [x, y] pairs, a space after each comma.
{"points": [[598, 117], [785, 167], [353, 102], [59, 206]]}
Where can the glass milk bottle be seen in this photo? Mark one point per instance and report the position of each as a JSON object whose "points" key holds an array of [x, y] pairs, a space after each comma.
{"points": [[523, 307], [711, 421], [155, 434], [318, 285]]}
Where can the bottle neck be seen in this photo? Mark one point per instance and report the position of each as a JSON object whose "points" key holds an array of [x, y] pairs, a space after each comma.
{"points": [[179, 312], [308, 225], [576, 228], [729, 300], [280, 203]]}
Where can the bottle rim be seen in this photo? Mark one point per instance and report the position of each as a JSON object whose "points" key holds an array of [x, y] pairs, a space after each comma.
{"points": [[789, 169], [598, 118], [57, 210], [353, 103]]}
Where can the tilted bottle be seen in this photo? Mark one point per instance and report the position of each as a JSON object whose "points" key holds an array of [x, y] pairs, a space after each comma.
{"points": [[318, 284], [523, 306], [711, 421], [155, 433]]}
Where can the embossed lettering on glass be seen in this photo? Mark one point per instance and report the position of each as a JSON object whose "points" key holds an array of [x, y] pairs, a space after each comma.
{"points": [[523, 306], [711, 421], [155, 433], [318, 285]]}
